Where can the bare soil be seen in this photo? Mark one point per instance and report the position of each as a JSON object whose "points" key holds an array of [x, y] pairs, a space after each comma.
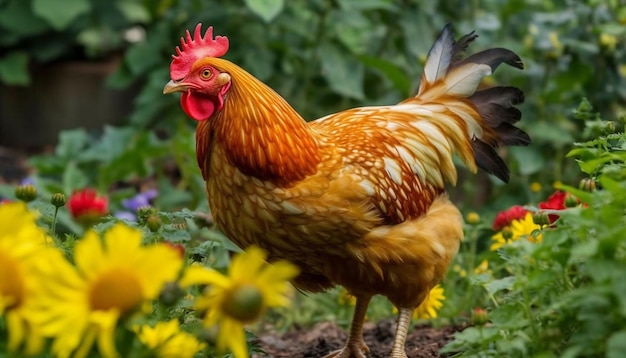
{"points": [[323, 338]]}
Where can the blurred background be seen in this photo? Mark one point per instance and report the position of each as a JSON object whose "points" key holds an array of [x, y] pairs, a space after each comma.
{"points": [[81, 81]]}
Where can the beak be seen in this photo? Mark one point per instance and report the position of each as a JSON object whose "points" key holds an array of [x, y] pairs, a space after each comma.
{"points": [[172, 87]]}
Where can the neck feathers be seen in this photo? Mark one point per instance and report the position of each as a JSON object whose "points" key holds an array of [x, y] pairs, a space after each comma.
{"points": [[262, 135]]}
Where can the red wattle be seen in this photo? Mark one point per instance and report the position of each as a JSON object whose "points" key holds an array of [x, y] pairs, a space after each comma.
{"points": [[197, 107]]}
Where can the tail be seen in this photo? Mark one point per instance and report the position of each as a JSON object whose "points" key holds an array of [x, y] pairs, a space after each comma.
{"points": [[486, 116]]}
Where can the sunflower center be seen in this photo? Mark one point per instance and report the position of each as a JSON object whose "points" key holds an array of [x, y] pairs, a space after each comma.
{"points": [[244, 303], [117, 288], [11, 280]]}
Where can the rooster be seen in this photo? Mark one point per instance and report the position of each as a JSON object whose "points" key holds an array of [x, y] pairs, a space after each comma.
{"points": [[356, 198]]}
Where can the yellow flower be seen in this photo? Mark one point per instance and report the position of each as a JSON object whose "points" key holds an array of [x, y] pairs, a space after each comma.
{"points": [[622, 70], [557, 46], [17, 222], [166, 340], [460, 270], [23, 248], [518, 229], [608, 41], [472, 218], [535, 187], [431, 304], [82, 304], [483, 267], [230, 302], [345, 298]]}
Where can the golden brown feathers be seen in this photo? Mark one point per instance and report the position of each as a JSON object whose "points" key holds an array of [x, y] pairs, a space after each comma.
{"points": [[357, 198]]}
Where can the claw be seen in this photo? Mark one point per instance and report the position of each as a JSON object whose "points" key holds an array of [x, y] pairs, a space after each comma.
{"points": [[356, 347], [356, 350]]}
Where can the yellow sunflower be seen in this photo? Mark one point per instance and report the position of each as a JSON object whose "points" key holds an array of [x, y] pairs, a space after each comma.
{"points": [[82, 304], [429, 307], [23, 248], [230, 302], [166, 340], [518, 229]]}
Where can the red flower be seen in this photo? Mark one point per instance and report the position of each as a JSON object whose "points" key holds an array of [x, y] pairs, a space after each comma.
{"points": [[504, 218], [179, 248], [556, 201], [87, 207]]}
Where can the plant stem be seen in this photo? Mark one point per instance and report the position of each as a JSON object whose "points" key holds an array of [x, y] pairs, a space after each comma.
{"points": [[54, 221]]}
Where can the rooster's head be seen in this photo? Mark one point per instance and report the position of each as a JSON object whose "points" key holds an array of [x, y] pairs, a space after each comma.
{"points": [[195, 73]]}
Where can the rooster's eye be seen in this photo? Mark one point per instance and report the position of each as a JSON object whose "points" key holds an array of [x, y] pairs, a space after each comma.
{"points": [[206, 74]]}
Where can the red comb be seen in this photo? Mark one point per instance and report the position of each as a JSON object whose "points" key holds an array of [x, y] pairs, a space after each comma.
{"points": [[196, 48]]}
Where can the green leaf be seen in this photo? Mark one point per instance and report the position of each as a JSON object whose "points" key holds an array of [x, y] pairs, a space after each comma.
{"points": [[71, 142], [60, 13], [590, 166], [17, 18], [355, 31], [501, 284], [74, 178], [583, 251], [134, 11], [509, 316], [343, 73], [616, 345], [394, 73], [142, 57], [14, 68], [358, 5], [583, 153], [266, 9], [530, 160]]}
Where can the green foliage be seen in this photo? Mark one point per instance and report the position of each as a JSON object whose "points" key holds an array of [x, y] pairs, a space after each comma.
{"points": [[563, 297], [42, 31]]}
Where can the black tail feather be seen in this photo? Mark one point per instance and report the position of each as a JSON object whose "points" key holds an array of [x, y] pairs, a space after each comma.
{"points": [[493, 57], [495, 114], [502, 95], [488, 160], [511, 135]]}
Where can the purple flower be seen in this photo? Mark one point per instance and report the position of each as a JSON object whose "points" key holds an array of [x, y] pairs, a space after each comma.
{"points": [[27, 181], [139, 200], [126, 215]]}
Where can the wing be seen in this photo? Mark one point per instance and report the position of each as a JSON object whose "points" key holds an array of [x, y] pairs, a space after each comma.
{"points": [[402, 153]]}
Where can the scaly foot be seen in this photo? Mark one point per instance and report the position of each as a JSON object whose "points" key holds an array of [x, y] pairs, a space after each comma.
{"points": [[400, 354]]}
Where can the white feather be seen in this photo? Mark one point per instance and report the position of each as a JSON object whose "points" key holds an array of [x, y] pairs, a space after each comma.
{"points": [[439, 56], [463, 81]]}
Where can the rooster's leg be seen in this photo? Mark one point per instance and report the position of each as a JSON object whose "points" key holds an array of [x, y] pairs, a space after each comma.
{"points": [[404, 320], [355, 348]]}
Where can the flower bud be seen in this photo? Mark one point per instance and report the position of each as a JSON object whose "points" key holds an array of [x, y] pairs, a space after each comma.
{"points": [[58, 200], [472, 218], [144, 212], [609, 127], [209, 334], [587, 184], [507, 234], [571, 201], [171, 293], [26, 193], [480, 317], [540, 218], [153, 222], [244, 303]]}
